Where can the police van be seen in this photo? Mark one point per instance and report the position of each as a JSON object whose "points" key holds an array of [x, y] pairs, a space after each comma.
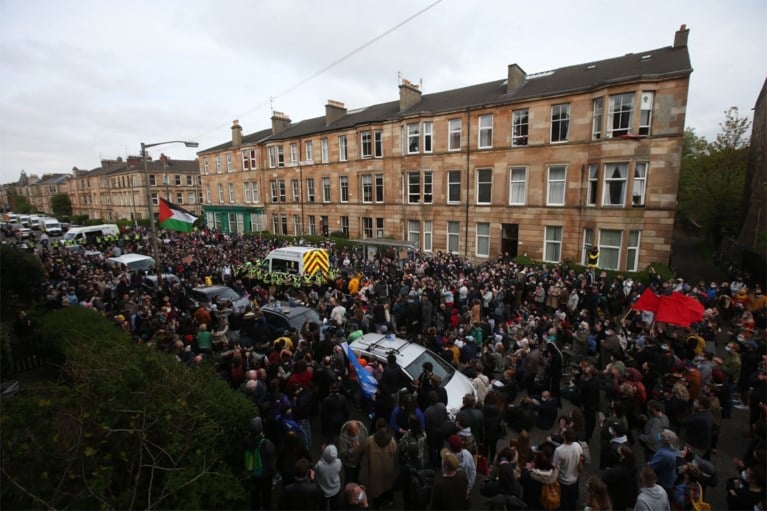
{"points": [[89, 233], [298, 260]]}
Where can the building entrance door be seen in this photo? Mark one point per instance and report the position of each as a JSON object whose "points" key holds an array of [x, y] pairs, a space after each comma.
{"points": [[509, 239]]}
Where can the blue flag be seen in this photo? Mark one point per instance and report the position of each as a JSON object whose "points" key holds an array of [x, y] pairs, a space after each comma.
{"points": [[366, 380]]}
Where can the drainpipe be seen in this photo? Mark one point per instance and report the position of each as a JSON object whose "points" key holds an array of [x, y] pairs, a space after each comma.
{"points": [[468, 187]]}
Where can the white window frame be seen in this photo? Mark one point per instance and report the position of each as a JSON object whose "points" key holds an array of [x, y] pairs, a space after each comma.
{"points": [[294, 153], [639, 186], [413, 138], [592, 185], [482, 239], [454, 132], [606, 252], [309, 151], [367, 227], [613, 180], [453, 194], [324, 150], [205, 167], [218, 164], [366, 144], [312, 225], [645, 113], [553, 184], [378, 144], [342, 148], [517, 186], [232, 195], [248, 159], [247, 192], [207, 194], [220, 193], [378, 188], [453, 239], [257, 222], [520, 127], [295, 188], [414, 232], [413, 182], [428, 137], [380, 232], [484, 183], [428, 187], [621, 114], [427, 235], [597, 117], [156, 198], [310, 192], [190, 198], [560, 123], [343, 183], [552, 243], [229, 162], [326, 193], [632, 250], [254, 185], [485, 131], [366, 182], [297, 224]]}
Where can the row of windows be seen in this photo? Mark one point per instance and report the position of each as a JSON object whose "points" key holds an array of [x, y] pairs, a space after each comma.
{"points": [[176, 180], [418, 138], [191, 198], [418, 187]]}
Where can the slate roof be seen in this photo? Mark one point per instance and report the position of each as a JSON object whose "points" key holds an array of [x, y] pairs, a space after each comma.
{"points": [[661, 63]]}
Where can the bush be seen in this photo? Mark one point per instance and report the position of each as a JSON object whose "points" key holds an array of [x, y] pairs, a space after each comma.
{"points": [[21, 275], [126, 427]]}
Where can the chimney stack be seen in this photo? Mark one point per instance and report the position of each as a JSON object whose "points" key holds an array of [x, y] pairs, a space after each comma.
{"points": [[680, 38], [236, 133], [516, 77], [280, 122], [334, 110], [409, 95]]}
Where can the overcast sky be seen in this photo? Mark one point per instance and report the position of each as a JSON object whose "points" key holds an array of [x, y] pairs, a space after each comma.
{"points": [[84, 80]]}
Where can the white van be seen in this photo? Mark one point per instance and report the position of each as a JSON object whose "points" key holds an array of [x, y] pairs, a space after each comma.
{"points": [[90, 233], [133, 262], [52, 227], [36, 222], [298, 260]]}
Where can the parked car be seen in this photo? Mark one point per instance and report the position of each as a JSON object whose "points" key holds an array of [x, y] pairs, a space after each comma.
{"points": [[204, 295], [24, 233], [289, 318], [133, 262], [410, 358], [150, 281]]}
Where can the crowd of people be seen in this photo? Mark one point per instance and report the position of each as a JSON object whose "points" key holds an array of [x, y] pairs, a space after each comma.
{"points": [[646, 400]]}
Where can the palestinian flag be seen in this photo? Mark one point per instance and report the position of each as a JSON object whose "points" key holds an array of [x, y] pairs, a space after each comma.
{"points": [[175, 218]]}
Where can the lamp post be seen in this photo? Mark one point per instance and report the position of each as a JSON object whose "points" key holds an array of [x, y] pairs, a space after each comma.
{"points": [[152, 227]]}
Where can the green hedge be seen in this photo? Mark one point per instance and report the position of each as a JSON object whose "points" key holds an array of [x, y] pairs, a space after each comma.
{"points": [[124, 427]]}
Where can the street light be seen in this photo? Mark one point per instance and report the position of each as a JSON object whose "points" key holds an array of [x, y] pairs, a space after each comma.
{"points": [[152, 227]]}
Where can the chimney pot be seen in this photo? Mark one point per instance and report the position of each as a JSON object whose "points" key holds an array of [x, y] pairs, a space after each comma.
{"points": [[334, 110], [236, 133], [516, 77], [409, 95]]}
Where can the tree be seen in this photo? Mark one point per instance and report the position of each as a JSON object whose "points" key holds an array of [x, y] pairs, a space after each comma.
{"points": [[21, 274], [20, 204], [712, 177], [122, 427], [61, 205]]}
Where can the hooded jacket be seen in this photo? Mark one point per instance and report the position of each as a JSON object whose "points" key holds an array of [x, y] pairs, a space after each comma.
{"points": [[328, 472], [652, 499]]}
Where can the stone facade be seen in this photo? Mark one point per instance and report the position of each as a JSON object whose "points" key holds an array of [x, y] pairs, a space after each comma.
{"points": [[477, 171]]}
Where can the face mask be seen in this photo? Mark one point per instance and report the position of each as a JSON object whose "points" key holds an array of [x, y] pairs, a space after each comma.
{"points": [[727, 349]]}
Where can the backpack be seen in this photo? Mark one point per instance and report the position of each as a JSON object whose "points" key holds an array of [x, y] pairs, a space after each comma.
{"points": [[550, 496], [253, 462]]}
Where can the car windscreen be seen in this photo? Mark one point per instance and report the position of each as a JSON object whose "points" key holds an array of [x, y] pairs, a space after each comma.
{"points": [[441, 368]]}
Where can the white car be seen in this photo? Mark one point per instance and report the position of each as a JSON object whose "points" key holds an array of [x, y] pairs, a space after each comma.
{"points": [[410, 358]]}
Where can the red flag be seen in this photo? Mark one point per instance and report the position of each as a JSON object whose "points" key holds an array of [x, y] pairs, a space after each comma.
{"points": [[649, 301]]}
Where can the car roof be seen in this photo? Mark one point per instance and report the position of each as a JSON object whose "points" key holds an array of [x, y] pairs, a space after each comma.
{"points": [[296, 315], [381, 345], [129, 258]]}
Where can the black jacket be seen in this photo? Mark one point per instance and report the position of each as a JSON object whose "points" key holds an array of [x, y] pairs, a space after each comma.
{"points": [[302, 494]]}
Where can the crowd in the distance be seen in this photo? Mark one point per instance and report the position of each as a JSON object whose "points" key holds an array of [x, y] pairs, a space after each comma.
{"points": [[646, 399]]}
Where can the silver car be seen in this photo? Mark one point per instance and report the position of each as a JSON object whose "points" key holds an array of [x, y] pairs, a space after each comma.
{"points": [[410, 358]]}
